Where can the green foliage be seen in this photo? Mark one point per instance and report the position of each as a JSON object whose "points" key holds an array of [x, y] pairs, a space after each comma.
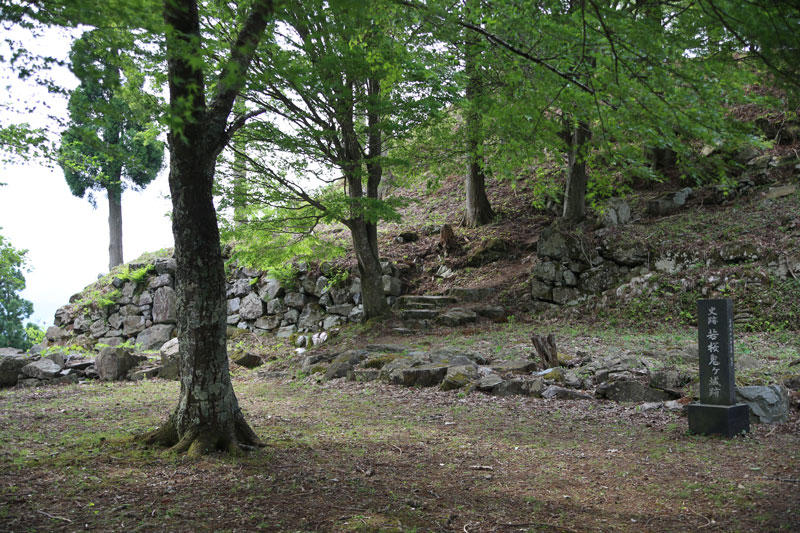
{"points": [[20, 142], [97, 298], [347, 79], [13, 308], [34, 333], [111, 140], [138, 275]]}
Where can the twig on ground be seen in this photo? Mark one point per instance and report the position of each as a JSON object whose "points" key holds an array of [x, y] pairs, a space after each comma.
{"points": [[54, 517], [551, 527], [481, 467], [708, 520]]}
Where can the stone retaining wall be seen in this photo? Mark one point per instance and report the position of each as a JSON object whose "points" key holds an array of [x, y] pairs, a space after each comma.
{"points": [[144, 313]]}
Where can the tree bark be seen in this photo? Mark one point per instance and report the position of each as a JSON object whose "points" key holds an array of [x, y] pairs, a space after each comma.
{"points": [[575, 194], [365, 246], [208, 416], [546, 349], [478, 209], [364, 231], [114, 226]]}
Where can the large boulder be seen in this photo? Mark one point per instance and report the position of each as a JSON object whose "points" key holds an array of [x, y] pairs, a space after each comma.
{"points": [[459, 376], [457, 317], [310, 318], [42, 369], [270, 289], [487, 251], [55, 334], [343, 309], [668, 203], [391, 286], [251, 307], [561, 393], [276, 307], [267, 323], [162, 280], [170, 360], [165, 305], [285, 332], [632, 391], [240, 287], [295, 299], [428, 375], [344, 363], [131, 325], [557, 245], [113, 363], [669, 379], [617, 211], [10, 366], [155, 336], [769, 404], [64, 315], [518, 366]]}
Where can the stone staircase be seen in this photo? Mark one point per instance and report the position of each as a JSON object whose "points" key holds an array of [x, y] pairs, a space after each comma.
{"points": [[423, 311]]}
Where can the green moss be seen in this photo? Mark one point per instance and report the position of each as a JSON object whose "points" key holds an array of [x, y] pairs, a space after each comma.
{"points": [[380, 360]]}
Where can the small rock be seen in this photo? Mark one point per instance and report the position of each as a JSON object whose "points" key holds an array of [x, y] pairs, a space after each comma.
{"points": [[170, 359], [248, 360], [489, 382], [560, 393], [146, 373]]}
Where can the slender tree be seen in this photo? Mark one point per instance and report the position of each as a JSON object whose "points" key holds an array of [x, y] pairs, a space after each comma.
{"points": [[13, 308], [478, 210], [110, 142], [345, 80]]}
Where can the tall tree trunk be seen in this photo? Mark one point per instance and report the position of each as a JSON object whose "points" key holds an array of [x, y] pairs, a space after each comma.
{"points": [[575, 194], [478, 209], [365, 232], [114, 225], [208, 416]]}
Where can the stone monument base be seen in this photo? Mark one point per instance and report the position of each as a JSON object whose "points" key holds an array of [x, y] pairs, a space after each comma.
{"points": [[725, 420]]}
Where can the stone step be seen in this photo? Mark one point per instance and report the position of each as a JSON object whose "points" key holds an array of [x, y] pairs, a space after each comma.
{"points": [[472, 294], [416, 299], [413, 305], [419, 314]]}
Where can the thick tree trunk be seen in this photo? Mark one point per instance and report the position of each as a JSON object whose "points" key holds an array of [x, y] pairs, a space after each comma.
{"points": [[575, 194], [478, 210], [365, 245], [114, 226], [208, 416]]}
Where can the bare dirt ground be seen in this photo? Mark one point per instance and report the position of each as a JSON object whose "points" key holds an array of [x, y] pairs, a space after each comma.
{"points": [[344, 456]]}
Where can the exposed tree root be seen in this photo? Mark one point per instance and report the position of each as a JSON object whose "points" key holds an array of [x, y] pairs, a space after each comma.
{"points": [[204, 440]]}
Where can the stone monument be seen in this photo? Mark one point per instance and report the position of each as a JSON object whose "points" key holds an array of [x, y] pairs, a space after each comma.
{"points": [[717, 413]]}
